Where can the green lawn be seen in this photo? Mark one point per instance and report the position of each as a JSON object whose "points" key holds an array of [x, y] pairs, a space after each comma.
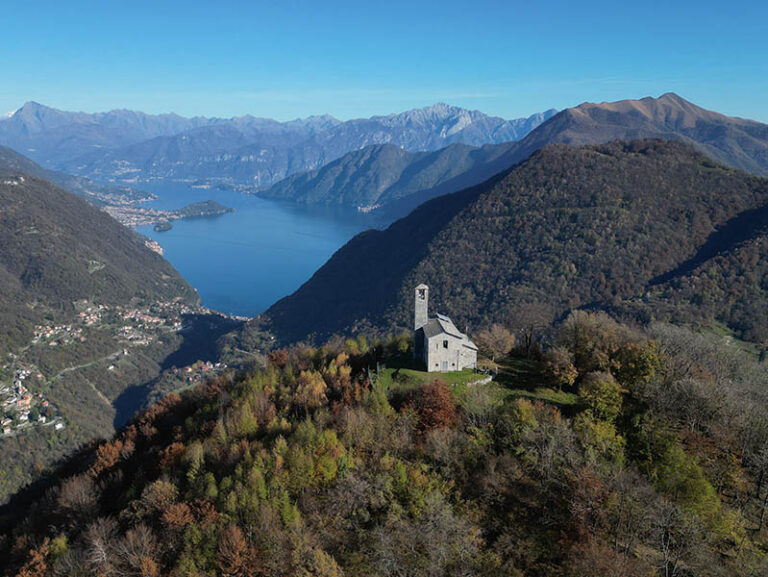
{"points": [[401, 380], [721, 330], [517, 377]]}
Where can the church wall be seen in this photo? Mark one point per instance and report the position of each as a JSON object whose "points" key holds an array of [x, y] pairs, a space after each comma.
{"points": [[453, 358]]}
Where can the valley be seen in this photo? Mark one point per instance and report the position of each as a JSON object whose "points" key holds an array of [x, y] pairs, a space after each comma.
{"points": [[610, 265]]}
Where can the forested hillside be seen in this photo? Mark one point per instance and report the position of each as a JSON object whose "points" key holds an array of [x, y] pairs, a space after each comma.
{"points": [[89, 319], [570, 227], [56, 249], [379, 175], [615, 452]]}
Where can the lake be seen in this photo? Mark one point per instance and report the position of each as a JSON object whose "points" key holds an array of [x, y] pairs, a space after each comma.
{"points": [[242, 262]]}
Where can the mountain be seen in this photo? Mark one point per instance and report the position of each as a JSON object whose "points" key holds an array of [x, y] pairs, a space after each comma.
{"points": [[570, 227], [733, 141], [55, 249], [52, 136], [256, 153], [97, 194], [380, 174], [432, 128], [401, 181]]}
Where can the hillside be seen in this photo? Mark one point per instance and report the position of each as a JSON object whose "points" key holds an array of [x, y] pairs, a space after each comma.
{"points": [[570, 227], [56, 249], [380, 175], [90, 318], [324, 463]]}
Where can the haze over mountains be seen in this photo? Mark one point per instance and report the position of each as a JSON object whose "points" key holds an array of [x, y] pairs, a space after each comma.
{"points": [[246, 151], [96, 193]]}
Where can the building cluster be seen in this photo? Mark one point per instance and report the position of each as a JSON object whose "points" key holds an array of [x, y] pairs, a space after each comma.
{"points": [[91, 315], [141, 317], [20, 407], [199, 371], [134, 335], [56, 335]]}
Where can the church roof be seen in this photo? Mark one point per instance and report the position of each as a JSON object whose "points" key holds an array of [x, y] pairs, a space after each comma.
{"points": [[442, 325]]}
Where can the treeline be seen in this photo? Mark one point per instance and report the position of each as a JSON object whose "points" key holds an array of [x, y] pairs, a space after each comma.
{"points": [[310, 466]]}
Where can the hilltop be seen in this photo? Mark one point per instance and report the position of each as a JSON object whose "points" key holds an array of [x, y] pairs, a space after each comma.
{"points": [[647, 457]]}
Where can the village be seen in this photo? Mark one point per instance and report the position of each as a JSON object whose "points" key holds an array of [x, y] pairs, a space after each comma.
{"points": [[23, 385], [22, 409]]}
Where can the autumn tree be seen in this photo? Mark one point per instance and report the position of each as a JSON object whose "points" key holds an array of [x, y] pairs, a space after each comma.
{"points": [[233, 554], [435, 406], [559, 367], [602, 394], [310, 392], [495, 341]]}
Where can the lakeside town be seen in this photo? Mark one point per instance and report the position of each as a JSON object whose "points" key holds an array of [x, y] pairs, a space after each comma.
{"points": [[132, 215]]}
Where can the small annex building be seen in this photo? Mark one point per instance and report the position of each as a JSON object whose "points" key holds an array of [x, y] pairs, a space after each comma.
{"points": [[437, 341]]}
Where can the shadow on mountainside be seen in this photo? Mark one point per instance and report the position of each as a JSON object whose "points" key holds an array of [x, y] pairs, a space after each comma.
{"points": [[743, 227], [200, 343]]}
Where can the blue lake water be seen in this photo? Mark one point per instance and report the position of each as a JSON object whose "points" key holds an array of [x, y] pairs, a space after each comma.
{"points": [[242, 262]]}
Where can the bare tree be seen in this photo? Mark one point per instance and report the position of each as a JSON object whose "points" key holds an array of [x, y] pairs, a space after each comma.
{"points": [[529, 321], [495, 341]]}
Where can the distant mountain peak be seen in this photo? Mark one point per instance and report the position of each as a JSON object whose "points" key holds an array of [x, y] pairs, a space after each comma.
{"points": [[673, 97], [32, 107]]}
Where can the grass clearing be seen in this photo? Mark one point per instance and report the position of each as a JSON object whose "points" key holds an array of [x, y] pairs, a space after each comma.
{"points": [[517, 378]]}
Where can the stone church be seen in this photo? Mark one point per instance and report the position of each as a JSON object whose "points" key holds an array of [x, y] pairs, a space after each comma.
{"points": [[438, 342]]}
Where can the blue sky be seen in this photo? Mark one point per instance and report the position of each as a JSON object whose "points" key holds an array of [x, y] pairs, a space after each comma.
{"points": [[291, 58]]}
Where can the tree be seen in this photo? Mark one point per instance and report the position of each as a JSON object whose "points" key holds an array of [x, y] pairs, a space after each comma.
{"points": [[559, 367], [310, 391], [602, 394], [495, 341], [435, 406], [529, 322], [233, 553]]}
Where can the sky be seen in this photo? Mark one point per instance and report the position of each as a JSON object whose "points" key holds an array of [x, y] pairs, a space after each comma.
{"points": [[293, 58]]}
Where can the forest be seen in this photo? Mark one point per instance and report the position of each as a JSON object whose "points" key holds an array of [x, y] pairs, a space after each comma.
{"points": [[650, 230], [599, 449]]}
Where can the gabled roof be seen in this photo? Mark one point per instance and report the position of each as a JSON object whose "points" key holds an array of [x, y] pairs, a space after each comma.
{"points": [[442, 325]]}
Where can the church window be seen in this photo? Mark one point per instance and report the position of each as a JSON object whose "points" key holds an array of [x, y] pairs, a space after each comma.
{"points": [[445, 344]]}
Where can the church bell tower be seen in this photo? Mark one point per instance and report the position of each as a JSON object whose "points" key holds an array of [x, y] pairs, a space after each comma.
{"points": [[420, 311]]}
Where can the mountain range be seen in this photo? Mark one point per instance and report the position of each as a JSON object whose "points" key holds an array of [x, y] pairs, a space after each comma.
{"points": [[610, 225], [246, 151], [402, 180]]}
